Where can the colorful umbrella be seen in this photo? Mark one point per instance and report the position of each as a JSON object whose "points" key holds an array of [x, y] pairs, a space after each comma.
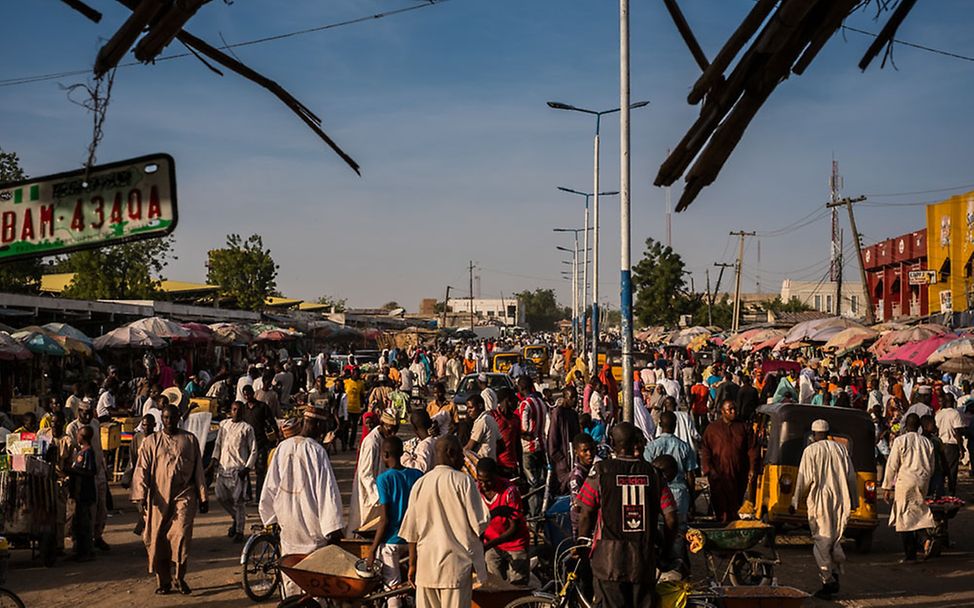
{"points": [[163, 328], [39, 343], [850, 338], [63, 329], [958, 365], [12, 350], [961, 347], [128, 337], [198, 333], [818, 330], [231, 334], [916, 353], [917, 334], [275, 335]]}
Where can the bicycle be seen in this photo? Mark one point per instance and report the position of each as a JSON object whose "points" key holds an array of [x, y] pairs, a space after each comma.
{"points": [[259, 558]]}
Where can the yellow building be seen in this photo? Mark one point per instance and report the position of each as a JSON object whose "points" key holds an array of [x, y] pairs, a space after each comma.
{"points": [[950, 253]]}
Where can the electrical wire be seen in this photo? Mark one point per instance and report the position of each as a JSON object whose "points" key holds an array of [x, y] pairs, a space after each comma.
{"points": [[9, 82], [814, 217], [934, 191], [912, 44]]}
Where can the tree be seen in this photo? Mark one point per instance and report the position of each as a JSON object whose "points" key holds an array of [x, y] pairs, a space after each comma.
{"points": [[244, 270], [390, 305], [661, 295], [541, 310], [777, 306], [131, 271], [339, 304], [21, 276]]}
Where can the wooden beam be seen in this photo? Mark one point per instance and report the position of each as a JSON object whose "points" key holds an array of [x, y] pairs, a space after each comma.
{"points": [[887, 34]]}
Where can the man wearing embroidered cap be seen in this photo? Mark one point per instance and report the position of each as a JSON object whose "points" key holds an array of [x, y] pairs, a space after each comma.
{"points": [[827, 484], [301, 494], [488, 394]]}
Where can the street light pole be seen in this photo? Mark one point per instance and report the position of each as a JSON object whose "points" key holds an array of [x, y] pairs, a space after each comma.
{"points": [[595, 204], [576, 299], [625, 262]]}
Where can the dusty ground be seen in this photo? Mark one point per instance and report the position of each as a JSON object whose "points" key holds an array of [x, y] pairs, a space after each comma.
{"points": [[118, 578]]}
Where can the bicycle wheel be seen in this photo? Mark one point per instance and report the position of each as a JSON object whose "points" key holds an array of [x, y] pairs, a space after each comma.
{"points": [[261, 577], [9, 599], [534, 601]]}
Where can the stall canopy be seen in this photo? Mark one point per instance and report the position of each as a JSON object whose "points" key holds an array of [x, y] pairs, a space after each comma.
{"points": [[162, 328], [958, 365], [198, 333], [916, 334], [277, 335], [128, 337], [12, 350], [961, 347]]}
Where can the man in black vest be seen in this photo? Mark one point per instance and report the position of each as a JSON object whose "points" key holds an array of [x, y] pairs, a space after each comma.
{"points": [[620, 505]]}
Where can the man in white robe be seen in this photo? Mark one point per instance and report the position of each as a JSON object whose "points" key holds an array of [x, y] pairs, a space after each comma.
{"points": [[827, 483], [365, 493], [908, 470], [806, 382], [443, 524], [235, 454], [685, 429], [301, 495]]}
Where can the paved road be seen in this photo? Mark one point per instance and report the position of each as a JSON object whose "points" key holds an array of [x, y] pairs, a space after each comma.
{"points": [[119, 578]]}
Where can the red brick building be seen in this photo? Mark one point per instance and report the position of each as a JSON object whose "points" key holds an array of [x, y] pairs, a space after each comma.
{"points": [[888, 265]]}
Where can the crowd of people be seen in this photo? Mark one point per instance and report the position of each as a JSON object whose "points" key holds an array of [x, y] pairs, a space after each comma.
{"points": [[455, 497]]}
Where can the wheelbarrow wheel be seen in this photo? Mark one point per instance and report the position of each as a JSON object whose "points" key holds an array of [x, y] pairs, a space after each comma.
{"points": [[749, 568], [9, 599], [261, 577], [533, 601]]}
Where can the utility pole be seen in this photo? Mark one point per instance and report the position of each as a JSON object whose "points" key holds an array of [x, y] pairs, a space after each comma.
{"points": [[736, 323], [445, 300], [710, 300], [838, 282], [720, 276], [856, 238], [471, 295]]}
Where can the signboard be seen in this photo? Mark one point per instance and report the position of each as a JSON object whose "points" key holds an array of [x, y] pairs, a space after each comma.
{"points": [[946, 302], [923, 277], [115, 203]]}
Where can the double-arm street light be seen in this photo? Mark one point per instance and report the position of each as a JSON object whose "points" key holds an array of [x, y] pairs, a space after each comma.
{"points": [[556, 105], [584, 296], [576, 299]]}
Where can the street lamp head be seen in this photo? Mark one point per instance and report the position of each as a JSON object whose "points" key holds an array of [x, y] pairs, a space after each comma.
{"points": [[557, 105], [570, 191], [608, 193], [638, 104], [560, 248]]}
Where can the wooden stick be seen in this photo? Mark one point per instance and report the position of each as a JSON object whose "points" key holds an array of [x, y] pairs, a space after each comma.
{"points": [[684, 28], [887, 33]]}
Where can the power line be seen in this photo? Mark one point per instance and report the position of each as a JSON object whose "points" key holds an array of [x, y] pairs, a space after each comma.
{"points": [[934, 191], [9, 82], [912, 45]]}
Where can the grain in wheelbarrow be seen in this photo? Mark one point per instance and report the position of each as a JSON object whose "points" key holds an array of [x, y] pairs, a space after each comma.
{"points": [[331, 560]]}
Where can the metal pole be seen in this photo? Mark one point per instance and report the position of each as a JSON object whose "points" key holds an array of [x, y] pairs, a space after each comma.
{"points": [[625, 253], [471, 295], [575, 301], [595, 252], [583, 304]]}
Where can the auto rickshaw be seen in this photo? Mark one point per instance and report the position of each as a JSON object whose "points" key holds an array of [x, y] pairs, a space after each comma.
{"points": [[639, 361], [784, 429], [502, 362], [538, 355]]}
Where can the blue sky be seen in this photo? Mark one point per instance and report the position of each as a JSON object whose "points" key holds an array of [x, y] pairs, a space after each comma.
{"points": [[444, 108]]}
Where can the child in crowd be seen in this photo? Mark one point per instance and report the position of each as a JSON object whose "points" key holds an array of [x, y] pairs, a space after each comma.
{"points": [[583, 448], [507, 538], [82, 478]]}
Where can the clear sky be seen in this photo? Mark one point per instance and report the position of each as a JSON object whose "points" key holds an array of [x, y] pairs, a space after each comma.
{"points": [[444, 108]]}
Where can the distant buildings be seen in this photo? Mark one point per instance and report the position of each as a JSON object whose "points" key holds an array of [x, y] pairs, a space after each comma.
{"points": [[822, 296], [504, 310]]}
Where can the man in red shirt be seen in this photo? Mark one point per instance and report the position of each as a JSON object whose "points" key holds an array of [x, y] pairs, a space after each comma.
{"points": [[532, 414], [509, 443], [699, 402], [506, 537]]}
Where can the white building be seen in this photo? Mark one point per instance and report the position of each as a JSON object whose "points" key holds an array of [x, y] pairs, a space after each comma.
{"points": [[504, 310], [821, 296]]}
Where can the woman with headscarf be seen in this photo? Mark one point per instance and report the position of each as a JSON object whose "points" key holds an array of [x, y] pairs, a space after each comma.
{"points": [[578, 367]]}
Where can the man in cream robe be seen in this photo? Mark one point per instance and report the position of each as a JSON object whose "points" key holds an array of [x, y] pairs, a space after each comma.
{"points": [[827, 478], [168, 483], [365, 493], [908, 471], [443, 524], [301, 495]]}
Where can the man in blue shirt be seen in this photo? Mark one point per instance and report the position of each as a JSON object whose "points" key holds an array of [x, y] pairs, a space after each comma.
{"points": [[394, 486], [686, 460]]}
